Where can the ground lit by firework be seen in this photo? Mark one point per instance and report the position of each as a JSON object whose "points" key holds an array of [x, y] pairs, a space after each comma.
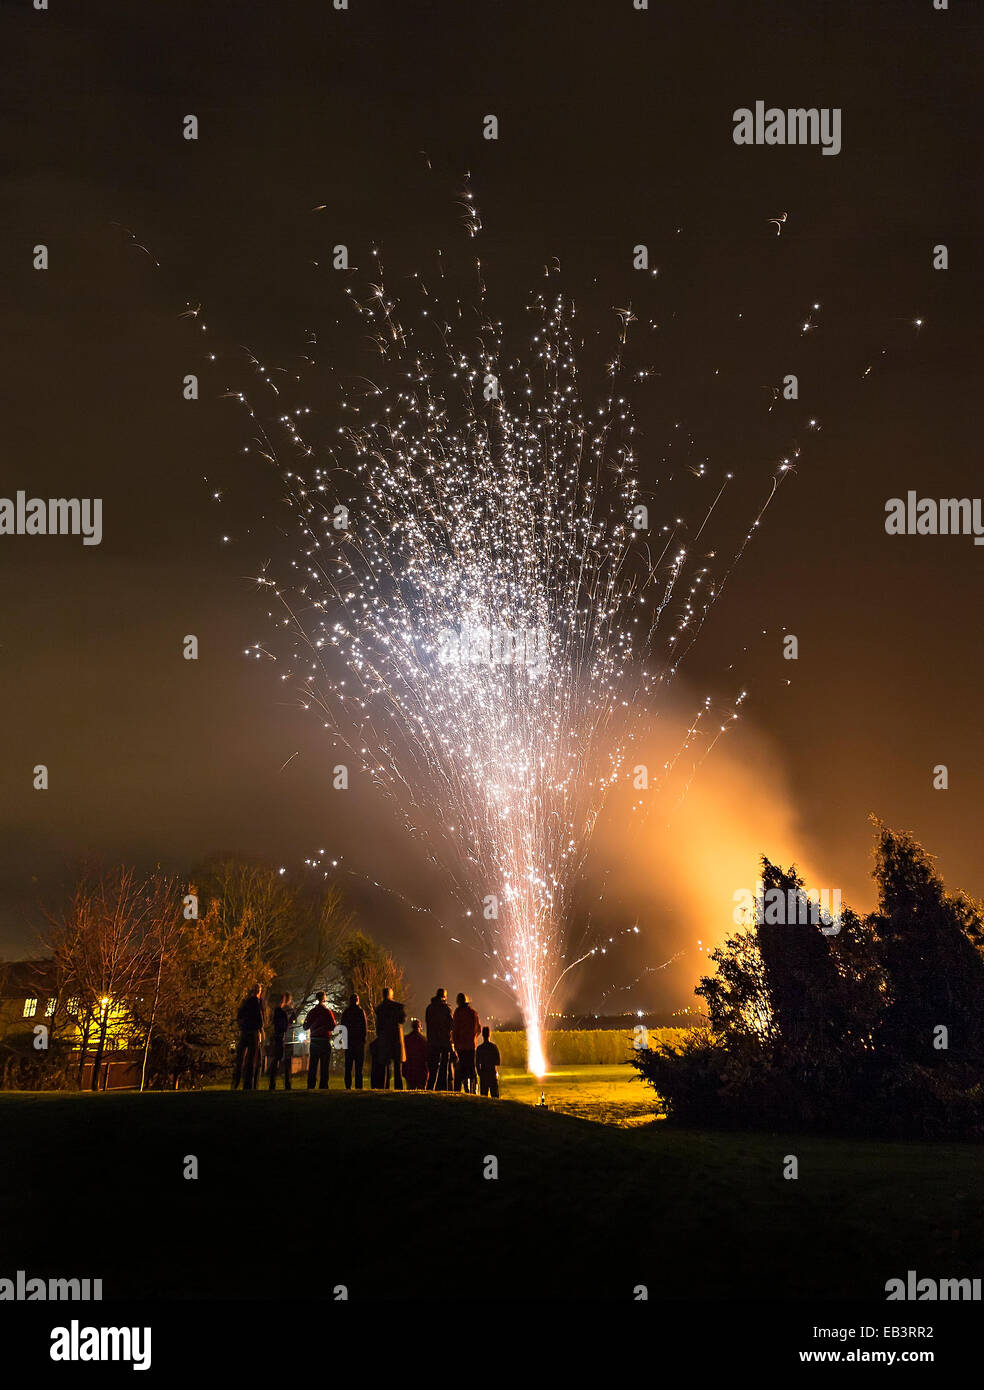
{"points": [[605, 1095]]}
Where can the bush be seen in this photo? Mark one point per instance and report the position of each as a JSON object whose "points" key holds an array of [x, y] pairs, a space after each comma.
{"points": [[26, 1068], [756, 1086], [191, 1061]]}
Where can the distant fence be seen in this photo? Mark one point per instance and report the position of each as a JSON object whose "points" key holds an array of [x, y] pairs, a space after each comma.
{"points": [[598, 1047], [113, 1075]]}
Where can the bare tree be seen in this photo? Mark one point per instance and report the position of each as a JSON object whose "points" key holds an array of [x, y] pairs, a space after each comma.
{"points": [[367, 968], [298, 931], [164, 928], [311, 959], [252, 898], [105, 945]]}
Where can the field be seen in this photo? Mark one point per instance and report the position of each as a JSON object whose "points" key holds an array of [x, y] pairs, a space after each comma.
{"points": [[592, 1047], [387, 1194]]}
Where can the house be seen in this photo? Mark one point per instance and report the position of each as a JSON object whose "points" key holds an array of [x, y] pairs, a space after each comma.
{"points": [[27, 995], [30, 995]]}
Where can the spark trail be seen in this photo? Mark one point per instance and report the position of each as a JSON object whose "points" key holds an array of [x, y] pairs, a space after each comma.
{"points": [[483, 609]]}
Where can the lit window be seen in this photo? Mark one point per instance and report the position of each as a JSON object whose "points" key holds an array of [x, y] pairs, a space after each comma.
{"points": [[49, 1008], [30, 1008], [73, 1005]]}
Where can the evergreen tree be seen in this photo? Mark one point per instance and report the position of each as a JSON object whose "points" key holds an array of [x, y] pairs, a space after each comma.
{"points": [[933, 964]]}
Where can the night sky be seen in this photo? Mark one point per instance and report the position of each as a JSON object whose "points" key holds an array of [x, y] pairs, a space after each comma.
{"points": [[615, 129]]}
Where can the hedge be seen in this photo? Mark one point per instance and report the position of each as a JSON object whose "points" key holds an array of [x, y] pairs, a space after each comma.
{"points": [[597, 1047]]}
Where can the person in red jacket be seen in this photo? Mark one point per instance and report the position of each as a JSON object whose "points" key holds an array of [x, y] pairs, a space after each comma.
{"points": [[321, 1024], [415, 1067], [466, 1029]]}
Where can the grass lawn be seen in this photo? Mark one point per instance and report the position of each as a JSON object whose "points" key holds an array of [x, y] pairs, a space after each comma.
{"points": [[610, 1095], [385, 1193]]}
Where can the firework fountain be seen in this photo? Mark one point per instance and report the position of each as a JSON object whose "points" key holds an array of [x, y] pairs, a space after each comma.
{"points": [[484, 608]]}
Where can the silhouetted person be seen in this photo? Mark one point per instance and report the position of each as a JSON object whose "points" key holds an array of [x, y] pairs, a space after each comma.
{"points": [[321, 1024], [390, 1015], [415, 1067], [356, 1027], [379, 1072], [465, 1031], [438, 1022], [284, 1018], [487, 1063], [250, 1020]]}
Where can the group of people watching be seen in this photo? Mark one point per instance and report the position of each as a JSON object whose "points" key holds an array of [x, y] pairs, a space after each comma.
{"points": [[448, 1056]]}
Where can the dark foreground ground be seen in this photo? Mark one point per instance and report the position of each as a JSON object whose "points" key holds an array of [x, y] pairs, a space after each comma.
{"points": [[385, 1194]]}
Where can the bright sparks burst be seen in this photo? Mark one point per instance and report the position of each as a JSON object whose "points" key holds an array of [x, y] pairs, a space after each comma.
{"points": [[483, 605]]}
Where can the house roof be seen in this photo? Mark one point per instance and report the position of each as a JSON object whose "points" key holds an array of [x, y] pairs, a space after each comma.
{"points": [[26, 977]]}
